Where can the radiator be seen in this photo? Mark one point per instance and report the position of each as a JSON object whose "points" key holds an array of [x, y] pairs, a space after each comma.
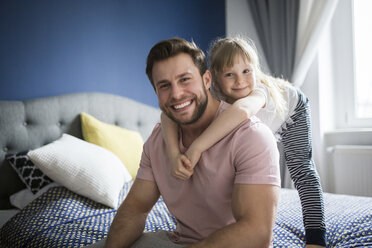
{"points": [[351, 169]]}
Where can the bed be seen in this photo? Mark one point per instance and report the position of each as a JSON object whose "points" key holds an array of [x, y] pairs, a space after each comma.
{"points": [[54, 212]]}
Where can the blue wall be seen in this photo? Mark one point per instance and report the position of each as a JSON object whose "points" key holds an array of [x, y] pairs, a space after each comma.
{"points": [[52, 47]]}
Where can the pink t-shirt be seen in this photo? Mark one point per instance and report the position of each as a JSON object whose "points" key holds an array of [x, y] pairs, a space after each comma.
{"points": [[202, 204]]}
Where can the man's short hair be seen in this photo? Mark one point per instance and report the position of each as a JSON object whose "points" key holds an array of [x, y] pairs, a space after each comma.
{"points": [[169, 48]]}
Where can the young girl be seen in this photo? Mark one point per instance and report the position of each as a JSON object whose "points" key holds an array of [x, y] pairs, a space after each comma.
{"points": [[238, 80]]}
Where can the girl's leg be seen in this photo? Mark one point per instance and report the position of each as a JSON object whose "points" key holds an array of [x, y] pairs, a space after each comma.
{"points": [[297, 146]]}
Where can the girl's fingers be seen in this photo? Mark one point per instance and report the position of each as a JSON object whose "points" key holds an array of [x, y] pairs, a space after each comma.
{"points": [[186, 162], [182, 177], [179, 176], [183, 169], [184, 173]]}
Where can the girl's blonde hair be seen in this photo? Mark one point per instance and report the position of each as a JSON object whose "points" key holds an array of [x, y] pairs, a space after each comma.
{"points": [[222, 55]]}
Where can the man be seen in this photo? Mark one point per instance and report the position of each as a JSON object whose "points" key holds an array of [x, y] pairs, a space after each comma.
{"points": [[231, 198]]}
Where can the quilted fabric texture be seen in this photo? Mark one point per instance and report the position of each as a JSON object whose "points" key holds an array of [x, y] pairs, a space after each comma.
{"points": [[61, 218], [348, 220], [31, 176], [82, 167]]}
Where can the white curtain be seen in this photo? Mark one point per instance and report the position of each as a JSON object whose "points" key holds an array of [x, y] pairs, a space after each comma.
{"points": [[314, 18]]}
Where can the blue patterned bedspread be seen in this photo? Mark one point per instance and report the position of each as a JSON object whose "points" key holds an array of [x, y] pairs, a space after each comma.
{"points": [[61, 218], [348, 221]]}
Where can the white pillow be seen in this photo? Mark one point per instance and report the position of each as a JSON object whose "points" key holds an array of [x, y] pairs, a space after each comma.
{"points": [[84, 168]]}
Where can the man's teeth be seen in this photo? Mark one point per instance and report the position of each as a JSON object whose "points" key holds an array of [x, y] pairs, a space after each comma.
{"points": [[182, 105]]}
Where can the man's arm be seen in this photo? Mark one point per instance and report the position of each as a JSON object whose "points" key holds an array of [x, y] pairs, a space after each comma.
{"points": [[130, 218], [254, 208]]}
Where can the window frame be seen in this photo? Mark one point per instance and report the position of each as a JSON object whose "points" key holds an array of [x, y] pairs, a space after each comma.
{"points": [[344, 68]]}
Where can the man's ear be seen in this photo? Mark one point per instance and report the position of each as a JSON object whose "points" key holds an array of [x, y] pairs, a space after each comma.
{"points": [[207, 79], [153, 86], [156, 92]]}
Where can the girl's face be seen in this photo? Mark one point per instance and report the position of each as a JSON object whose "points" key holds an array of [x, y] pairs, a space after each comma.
{"points": [[237, 81]]}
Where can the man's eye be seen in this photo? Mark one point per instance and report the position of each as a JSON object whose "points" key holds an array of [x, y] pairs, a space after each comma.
{"points": [[184, 79], [163, 86]]}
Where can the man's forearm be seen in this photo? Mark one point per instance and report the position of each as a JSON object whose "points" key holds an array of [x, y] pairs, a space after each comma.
{"points": [[240, 234], [126, 228], [254, 208], [130, 218]]}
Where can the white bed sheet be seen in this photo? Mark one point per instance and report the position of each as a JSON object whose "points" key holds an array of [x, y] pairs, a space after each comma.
{"points": [[5, 215]]}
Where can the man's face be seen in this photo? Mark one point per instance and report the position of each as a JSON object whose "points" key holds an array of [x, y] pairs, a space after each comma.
{"points": [[181, 90]]}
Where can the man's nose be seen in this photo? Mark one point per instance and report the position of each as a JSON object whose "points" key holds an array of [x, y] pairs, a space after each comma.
{"points": [[176, 92]]}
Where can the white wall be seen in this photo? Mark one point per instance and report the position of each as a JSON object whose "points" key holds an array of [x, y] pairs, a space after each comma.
{"points": [[239, 22]]}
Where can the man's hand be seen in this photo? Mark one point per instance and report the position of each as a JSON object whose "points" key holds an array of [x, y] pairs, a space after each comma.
{"points": [[130, 219], [181, 167]]}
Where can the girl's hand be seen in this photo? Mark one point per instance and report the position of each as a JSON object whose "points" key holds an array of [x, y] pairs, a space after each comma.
{"points": [[181, 167], [193, 154]]}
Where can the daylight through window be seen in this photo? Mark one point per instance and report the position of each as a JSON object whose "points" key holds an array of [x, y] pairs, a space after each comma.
{"points": [[362, 58]]}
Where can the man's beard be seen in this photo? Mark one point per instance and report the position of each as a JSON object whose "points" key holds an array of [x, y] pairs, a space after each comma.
{"points": [[200, 107]]}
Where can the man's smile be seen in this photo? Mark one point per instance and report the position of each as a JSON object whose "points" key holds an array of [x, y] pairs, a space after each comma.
{"points": [[182, 105]]}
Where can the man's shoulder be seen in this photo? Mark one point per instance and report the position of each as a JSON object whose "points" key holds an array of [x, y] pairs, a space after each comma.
{"points": [[247, 123], [251, 124], [254, 125], [253, 129], [155, 135]]}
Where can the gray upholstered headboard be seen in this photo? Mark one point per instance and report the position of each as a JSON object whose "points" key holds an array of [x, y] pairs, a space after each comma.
{"points": [[26, 125]]}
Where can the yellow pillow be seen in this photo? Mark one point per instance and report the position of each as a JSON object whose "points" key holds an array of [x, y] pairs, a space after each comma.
{"points": [[126, 144]]}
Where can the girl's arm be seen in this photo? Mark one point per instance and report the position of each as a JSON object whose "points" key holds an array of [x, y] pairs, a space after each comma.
{"points": [[180, 163], [239, 111]]}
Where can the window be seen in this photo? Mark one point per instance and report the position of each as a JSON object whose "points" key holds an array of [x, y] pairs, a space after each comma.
{"points": [[362, 19], [352, 53]]}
